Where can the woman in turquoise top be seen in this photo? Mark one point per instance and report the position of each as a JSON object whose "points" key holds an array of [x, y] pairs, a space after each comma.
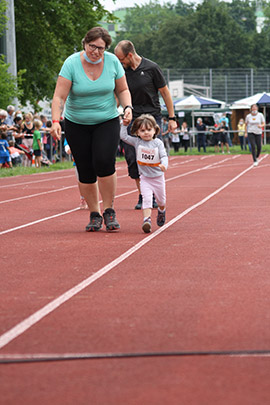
{"points": [[88, 84]]}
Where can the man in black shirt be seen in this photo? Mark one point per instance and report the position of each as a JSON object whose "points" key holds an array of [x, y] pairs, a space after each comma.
{"points": [[145, 81]]}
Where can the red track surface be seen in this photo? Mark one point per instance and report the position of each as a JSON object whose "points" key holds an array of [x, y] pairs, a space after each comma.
{"points": [[191, 300]]}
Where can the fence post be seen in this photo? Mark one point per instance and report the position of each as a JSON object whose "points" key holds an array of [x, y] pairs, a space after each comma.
{"points": [[210, 81]]}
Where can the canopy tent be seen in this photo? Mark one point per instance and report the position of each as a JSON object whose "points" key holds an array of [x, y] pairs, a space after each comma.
{"points": [[197, 103], [261, 99], [193, 103]]}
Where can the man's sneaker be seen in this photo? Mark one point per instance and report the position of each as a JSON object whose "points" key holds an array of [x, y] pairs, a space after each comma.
{"points": [[138, 206], [160, 218], [110, 220], [154, 205], [95, 223], [147, 225]]}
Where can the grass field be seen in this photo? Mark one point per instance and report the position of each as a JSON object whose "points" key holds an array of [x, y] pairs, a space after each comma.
{"points": [[19, 171]]}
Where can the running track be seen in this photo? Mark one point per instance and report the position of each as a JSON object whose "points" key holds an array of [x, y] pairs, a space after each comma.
{"points": [[180, 316]]}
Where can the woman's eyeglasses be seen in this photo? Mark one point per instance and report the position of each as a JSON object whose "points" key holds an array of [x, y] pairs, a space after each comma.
{"points": [[93, 48]]}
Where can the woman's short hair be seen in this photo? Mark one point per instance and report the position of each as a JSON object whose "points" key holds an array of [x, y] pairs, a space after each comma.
{"points": [[95, 33], [148, 121]]}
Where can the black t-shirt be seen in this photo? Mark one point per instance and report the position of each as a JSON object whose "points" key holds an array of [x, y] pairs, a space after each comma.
{"points": [[143, 84]]}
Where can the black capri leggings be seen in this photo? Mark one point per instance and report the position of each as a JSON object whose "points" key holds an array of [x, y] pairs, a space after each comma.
{"points": [[94, 148], [255, 140]]}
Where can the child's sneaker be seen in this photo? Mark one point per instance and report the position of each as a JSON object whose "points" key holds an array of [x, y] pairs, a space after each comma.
{"points": [[83, 204], [95, 223], [110, 220], [147, 225], [161, 218]]}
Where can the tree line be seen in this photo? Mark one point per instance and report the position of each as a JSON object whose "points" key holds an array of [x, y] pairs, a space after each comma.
{"points": [[213, 34]]}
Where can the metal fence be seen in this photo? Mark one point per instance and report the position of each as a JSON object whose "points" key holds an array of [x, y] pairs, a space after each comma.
{"points": [[227, 85]]}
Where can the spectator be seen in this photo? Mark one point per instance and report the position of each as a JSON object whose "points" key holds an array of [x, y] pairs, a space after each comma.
{"points": [[3, 116], [185, 135], [9, 119], [28, 130], [216, 137], [175, 139], [254, 125], [224, 136], [241, 127], [201, 128], [37, 143], [15, 154], [18, 128], [4, 150], [145, 81]]}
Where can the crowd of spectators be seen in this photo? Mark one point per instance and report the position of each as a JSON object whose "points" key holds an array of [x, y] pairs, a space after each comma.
{"points": [[17, 128]]}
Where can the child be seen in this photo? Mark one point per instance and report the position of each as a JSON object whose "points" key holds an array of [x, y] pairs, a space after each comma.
{"points": [[152, 162], [4, 150], [37, 145], [15, 154]]}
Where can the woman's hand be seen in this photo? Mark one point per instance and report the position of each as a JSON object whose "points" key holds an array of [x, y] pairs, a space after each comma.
{"points": [[56, 131], [127, 116]]}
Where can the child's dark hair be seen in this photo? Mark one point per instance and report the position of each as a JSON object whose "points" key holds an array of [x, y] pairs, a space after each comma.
{"points": [[148, 121]]}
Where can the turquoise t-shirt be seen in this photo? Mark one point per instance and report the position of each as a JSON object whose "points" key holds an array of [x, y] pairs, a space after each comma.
{"points": [[91, 102]]}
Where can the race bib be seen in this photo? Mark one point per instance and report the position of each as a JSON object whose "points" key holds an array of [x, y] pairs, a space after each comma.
{"points": [[148, 156]]}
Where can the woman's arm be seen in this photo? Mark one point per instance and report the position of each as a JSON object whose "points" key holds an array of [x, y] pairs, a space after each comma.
{"points": [[61, 92], [124, 97]]}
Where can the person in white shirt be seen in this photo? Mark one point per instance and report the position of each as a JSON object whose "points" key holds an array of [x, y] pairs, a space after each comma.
{"points": [[254, 125]]}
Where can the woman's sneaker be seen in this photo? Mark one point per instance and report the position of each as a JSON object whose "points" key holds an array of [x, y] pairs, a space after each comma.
{"points": [[110, 220], [147, 225], [95, 223], [161, 218]]}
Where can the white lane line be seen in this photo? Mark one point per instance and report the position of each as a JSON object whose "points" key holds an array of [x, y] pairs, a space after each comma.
{"points": [[27, 323], [55, 216], [36, 182], [37, 195], [118, 196]]}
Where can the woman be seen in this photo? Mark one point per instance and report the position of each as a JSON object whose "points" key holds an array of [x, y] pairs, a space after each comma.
{"points": [[241, 133], [88, 82], [185, 135], [254, 125], [28, 131]]}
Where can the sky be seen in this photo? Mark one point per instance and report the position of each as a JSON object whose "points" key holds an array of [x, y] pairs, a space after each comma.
{"points": [[109, 5]]}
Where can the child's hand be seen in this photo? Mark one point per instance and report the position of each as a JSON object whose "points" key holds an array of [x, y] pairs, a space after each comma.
{"points": [[163, 168]]}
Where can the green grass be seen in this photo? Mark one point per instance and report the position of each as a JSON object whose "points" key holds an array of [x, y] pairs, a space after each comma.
{"points": [[20, 171]]}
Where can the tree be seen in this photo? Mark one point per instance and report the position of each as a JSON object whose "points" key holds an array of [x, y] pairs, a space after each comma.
{"points": [[10, 86], [46, 33]]}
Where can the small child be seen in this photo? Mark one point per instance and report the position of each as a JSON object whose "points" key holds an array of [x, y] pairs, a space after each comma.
{"points": [[37, 145], [4, 150], [152, 162], [15, 154]]}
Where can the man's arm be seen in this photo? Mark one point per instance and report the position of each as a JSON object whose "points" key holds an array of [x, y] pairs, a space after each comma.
{"points": [[166, 95]]}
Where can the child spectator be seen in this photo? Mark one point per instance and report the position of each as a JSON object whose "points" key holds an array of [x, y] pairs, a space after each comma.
{"points": [[152, 162], [4, 150], [15, 154], [37, 145]]}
